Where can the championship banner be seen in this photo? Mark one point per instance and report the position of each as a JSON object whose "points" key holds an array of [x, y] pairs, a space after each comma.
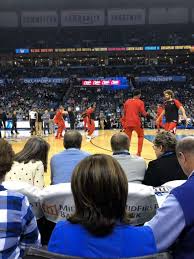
{"points": [[39, 19], [126, 16], [79, 18], [168, 15], [8, 19]]}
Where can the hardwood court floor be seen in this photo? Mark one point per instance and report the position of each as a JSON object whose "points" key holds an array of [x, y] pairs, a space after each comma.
{"points": [[99, 144]]}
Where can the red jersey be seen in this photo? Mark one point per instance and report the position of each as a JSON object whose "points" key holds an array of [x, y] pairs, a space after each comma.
{"points": [[159, 111], [90, 113], [133, 110], [58, 117]]}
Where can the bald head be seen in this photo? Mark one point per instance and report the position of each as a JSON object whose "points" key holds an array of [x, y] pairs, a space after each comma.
{"points": [[72, 139], [185, 154], [119, 141], [185, 145]]}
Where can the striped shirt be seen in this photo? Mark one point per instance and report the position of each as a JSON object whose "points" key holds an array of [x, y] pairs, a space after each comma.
{"points": [[18, 227]]}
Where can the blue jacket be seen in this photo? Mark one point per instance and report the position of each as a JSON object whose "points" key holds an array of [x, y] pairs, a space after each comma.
{"points": [[184, 247], [125, 241], [63, 164]]}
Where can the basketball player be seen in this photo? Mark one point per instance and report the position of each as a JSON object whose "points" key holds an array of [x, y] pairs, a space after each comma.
{"points": [[59, 120], [85, 120], [90, 120], [171, 112], [159, 123], [133, 110]]}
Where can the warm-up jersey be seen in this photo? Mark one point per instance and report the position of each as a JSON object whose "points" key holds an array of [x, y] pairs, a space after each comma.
{"points": [[133, 110], [171, 110], [58, 117], [159, 111], [90, 113]]}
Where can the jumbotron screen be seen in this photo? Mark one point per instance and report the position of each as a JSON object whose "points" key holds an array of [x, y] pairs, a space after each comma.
{"points": [[113, 82]]}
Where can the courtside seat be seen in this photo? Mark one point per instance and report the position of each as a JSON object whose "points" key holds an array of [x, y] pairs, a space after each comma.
{"points": [[34, 253], [163, 191], [141, 203], [32, 192], [57, 202], [173, 184]]}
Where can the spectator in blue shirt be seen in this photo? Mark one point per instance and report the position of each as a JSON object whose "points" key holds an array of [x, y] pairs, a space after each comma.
{"points": [[63, 163], [17, 222], [100, 226]]}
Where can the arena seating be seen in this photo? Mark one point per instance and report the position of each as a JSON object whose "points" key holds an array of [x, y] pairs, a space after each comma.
{"points": [[55, 202]]}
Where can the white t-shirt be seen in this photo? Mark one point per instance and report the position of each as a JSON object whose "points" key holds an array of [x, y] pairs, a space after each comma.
{"points": [[33, 115]]}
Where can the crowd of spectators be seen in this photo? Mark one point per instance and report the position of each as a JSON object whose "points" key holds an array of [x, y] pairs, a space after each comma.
{"points": [[17, 95]]}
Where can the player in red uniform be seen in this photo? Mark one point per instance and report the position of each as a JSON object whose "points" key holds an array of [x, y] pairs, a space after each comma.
{"points": [[171, 111], [58, 119], [85, 120], [91, 117], [133, 109], [159, 123]]}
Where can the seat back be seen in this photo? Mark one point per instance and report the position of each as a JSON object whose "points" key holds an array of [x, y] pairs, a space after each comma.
{"points": [[173, 184], [34, 253], [32, 192], [57, 202], [141, 203], [155, 256]]}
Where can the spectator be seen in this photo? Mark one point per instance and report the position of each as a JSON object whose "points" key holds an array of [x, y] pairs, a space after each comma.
{"points": [[63, 163], [166, 167], [4, 119], [14, 123], [18, 224], [133, 166], [30, 163], [71, 115], [100, 228], [174, 221], [39, 123], [51, 122], [46, 119], [33, 120]]}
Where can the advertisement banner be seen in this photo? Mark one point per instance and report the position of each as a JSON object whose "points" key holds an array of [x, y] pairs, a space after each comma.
{"points": [[58, 204], [39, 19], [82, 18], [168, 15], [8, 19], [159, 79], [44, 80], [114, 82], [126, 16]]}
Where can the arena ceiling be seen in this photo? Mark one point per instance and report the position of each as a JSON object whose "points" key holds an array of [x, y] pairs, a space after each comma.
{"points": [[83, 4]]}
